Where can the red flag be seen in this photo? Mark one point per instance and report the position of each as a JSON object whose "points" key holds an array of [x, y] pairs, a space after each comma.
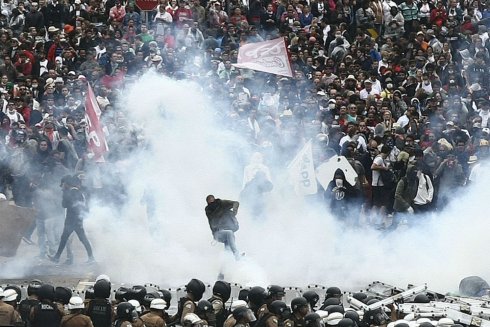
{"points": [[268, 56], [95, 135]]}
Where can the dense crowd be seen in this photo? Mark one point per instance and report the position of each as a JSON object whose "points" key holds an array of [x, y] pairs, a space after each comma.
{"points": [[256, 306], [398, 88]]}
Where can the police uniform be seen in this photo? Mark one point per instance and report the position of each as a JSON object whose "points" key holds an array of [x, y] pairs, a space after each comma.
{"points": [[76, 320], [295, 321], [138, 323], [218, 310], [100, 312], [262, 311], [123, 324], [25, 307], [272, 321], [8, 315], [187, 307], [45, 314], [153, 319]]}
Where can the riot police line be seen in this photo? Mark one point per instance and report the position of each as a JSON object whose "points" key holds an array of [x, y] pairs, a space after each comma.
{"points": [[230, 305]]}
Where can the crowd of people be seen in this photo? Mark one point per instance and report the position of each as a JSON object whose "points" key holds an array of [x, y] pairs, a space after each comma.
{"points": [[400, 88], [47, 306]]}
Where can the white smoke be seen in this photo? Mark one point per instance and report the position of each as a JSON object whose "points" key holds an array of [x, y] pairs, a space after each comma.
{"points": [[188, 155]]}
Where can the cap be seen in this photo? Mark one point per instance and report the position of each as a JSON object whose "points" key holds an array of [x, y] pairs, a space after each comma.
{"points": [[156, 58], [450, 123], [420, 33], [77, 2], [158, 304], [58, 80], [71, 72], [76, 302], [53, 29]]}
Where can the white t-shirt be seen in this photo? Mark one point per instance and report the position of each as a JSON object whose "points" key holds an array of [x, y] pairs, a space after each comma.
{"points": [[379, 161]]}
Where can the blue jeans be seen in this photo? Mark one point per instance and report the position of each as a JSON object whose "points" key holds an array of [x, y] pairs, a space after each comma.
{"points": [[227, 237]]}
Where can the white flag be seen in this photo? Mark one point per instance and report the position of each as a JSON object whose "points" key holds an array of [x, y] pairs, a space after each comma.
{"points": [[302, 171], [268, 56]]}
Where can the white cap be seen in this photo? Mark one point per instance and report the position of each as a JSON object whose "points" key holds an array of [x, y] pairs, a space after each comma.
{"points": [[77, 2], [103, 277], [58, 80], [192, 318], [238, 304], [158, 304], [334, 318], [9, 295], [76, 302], [136, 305]]}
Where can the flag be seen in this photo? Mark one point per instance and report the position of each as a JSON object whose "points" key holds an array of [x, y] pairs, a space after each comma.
{"points": [[95, 134], [326, 171], [302, 171], [268, 56]]}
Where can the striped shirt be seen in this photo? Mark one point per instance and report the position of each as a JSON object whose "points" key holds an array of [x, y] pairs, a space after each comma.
{"points": [[409, 12]]}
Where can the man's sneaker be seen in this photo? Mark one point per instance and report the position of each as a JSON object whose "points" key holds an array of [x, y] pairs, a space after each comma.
{"points": [[91, 260], [54, 258]]}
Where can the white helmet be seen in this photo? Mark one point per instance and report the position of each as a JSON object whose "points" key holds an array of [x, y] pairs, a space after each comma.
{"points": [[136, 305], [238, 304], [76, 302], [9, 295], [445, 322], [1, 292], [192, 318], [158, 304]]}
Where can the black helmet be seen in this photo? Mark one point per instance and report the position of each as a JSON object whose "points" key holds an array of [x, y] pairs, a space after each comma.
{"points": [[150, 297], [243, 295], [222, 289], [421, 298], [279, 308], [297, 303], [125, 311], [62, 295], [346, 322], [204, 306], [333, 292], [375, 317], [331, 301], [334, 308], [196, 288], [313, 320], [102, 289], [33, 287], [275, 290], [257, 295], [89, 293], [352, 315], [312, 297], [372, 301], [122, 294], [426, 324], [46, 292], [137, 293], [360, 296], [17, 290], [243, 313], [167, 296]]}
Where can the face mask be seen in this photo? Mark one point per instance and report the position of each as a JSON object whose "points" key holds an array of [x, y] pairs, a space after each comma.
{"points": [[339, 182], [34, 86], [331, 106], [426, 82]]}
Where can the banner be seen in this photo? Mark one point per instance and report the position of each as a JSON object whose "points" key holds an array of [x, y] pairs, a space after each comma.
{"points": [[268, 56], [95, 135], [326, 171], [302, 171]]}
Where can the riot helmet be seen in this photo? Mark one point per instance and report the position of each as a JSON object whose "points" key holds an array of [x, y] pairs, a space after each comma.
{"points": [[222, 289], [196, 288]]}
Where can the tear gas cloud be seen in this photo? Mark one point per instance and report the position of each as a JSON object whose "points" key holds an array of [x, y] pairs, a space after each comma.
{"points": [[188, 155]]}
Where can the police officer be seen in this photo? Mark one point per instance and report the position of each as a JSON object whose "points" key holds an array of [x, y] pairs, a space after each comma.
{"points": [[313, 320], [205, 311], [312, 297], [137, 322], [230, 320], [277, 314], [221, 294], [99, 309], [26, 305], [62, 296], [300, 308], [275, 293], [256, 299], [195, 289], [125, 315], [46, 312], [243, 317], [333, 296], [76, 318], [155, 317], [8, 315]]}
